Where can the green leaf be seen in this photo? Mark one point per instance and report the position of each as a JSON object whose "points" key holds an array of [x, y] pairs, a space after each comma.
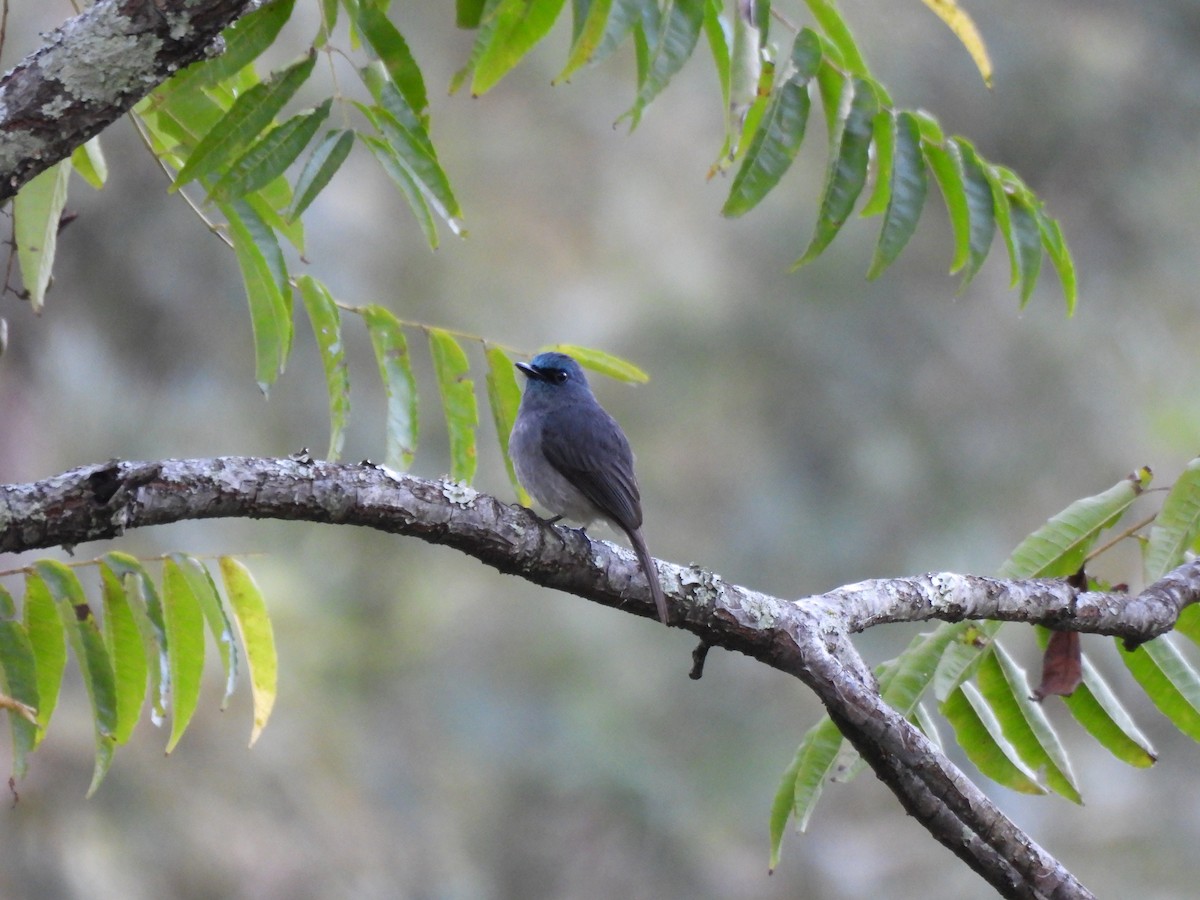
{"points": [[1097, 709], [589, 32], [324, 161], [1176, 526], [1024, 723], [123, 641], [644, 32], [245, 41], [883, 136], [1000, 209], [82, 631], [261, 221], [1188, 623], [947, 167], [327, 329], [249, 115], [451, 367], [831, 85], [909, 187], [258, 638], [981, 216], [1169, 680], [1060, 256], [271, 202], [467, 13], [37, 209], [389, 160], [329, 17], [269, 158], [486, 25], [836, 29], [392, 50], [782, 806], [504, 397], [395, 371], [745, 58], [677, 37], [780, 132], [260, 259], [979, 734], [185, 116], [49, 644], [517, 27], [205, 591], [751, 121], [18, 671], [1058, 548], [147, 610], [848, 165], [804, 780], [1027, 238], [88, 160], [719, 47], [924, 720], [903, 681], [184, 621], [414, 151], [604, 363], [963, 656], [625, 14]]}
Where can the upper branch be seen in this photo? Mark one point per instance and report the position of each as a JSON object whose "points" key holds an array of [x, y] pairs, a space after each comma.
{"points": [[92, 69]]}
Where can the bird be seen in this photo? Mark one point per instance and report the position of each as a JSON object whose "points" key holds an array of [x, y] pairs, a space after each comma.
{"points": [[573, 457]]}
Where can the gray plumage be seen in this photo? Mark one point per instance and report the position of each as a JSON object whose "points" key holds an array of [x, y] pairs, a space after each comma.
{"points": [[572, 456]]}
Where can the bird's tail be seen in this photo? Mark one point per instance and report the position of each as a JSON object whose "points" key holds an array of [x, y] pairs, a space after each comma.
{"points": [[647, 561]]}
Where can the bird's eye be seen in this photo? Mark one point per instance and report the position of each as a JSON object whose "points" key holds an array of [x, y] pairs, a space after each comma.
{"points": [[558, 376]]}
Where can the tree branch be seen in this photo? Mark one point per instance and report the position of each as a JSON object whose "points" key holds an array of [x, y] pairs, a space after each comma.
{"points": [[806, 638], [92, 70]]}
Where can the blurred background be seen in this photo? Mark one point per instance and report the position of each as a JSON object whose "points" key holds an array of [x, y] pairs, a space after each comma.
{"points": [[444, 731]]}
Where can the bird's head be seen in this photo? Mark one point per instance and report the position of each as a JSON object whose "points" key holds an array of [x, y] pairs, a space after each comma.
{"points": [[554, 372]]}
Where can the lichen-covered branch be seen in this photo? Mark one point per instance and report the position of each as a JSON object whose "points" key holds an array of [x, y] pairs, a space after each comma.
{"points": [[950, 597], [92, 69], [807, 638]]}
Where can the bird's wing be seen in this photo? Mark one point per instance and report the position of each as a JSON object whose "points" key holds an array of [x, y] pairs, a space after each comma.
{"points": [[590, 451]]}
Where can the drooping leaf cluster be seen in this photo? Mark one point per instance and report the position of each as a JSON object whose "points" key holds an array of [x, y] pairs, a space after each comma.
{"points": [[221, 125], [141, 641], [963, 671]]}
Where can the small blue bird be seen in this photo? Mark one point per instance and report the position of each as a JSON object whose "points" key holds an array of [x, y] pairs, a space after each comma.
{"points": [[574, 459]]}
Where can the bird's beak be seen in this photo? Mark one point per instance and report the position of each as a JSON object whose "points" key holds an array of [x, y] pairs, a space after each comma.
{"points": [[529, 371]]}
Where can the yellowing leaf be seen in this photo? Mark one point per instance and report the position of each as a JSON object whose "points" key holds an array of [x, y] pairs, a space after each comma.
{"points": [[36, 212], [963, 26], [258, 638]]}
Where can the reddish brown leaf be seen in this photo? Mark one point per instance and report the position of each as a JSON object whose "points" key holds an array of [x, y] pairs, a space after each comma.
{"points": [[1062, 669]]}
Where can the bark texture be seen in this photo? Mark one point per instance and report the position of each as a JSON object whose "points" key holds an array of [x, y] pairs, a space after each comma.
{"points": [[91, 70]]}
